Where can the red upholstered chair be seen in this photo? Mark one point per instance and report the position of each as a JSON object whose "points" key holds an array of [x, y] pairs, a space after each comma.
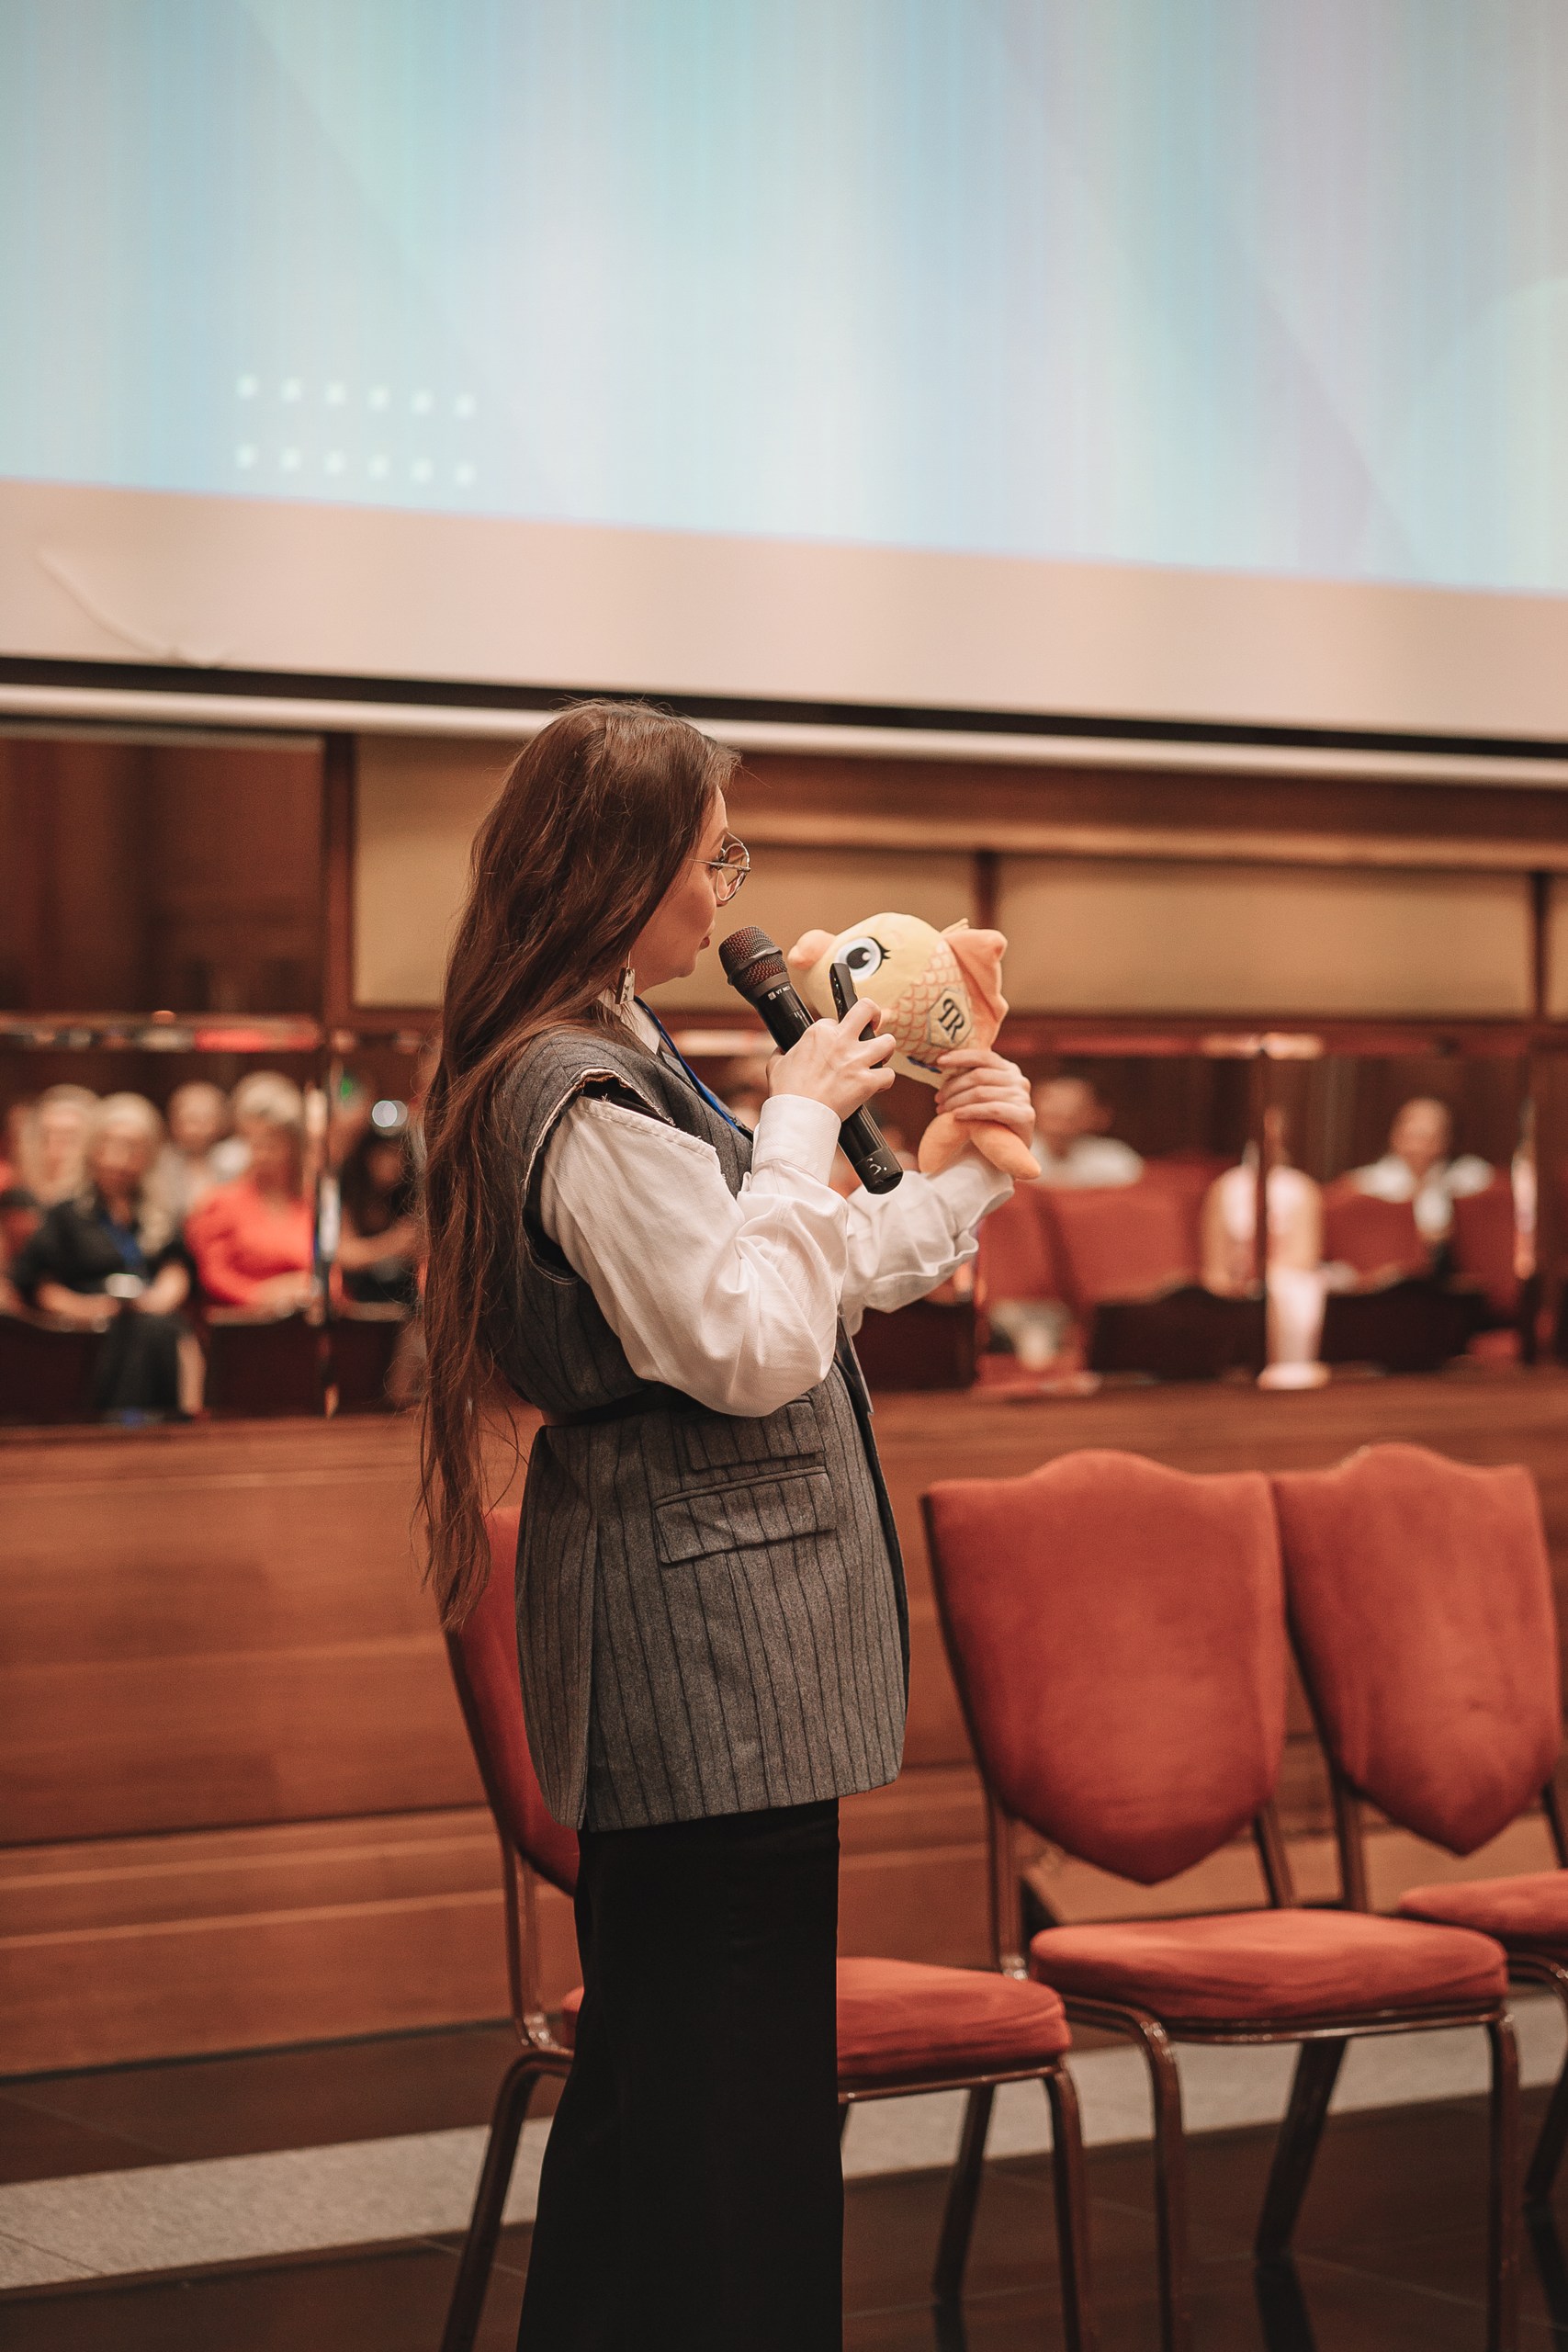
{"points": [[1187, 1176], [1126, 1241], [1377, 1238], [1117, 1634], [1421, 1603], [903, 2026], [1018, 1251], [1483, 1247]]}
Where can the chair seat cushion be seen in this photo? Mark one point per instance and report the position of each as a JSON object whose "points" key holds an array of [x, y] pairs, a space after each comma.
{"points": [[899, 2019], [1529, 1913], [1250, 1966]]}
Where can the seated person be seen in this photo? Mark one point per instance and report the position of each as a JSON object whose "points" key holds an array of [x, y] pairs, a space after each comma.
{"points": [[254, 1241], [382, 1240], [1295, 1288], [111, 1260], [198, 1121], [1070, 1141], [247, 1109], [52, 1142], [20, 1216], [1416, 1166]]}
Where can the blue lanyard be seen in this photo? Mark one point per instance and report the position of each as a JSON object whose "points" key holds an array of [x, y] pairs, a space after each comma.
{"points": [[127, 1243], [708, 1096]]}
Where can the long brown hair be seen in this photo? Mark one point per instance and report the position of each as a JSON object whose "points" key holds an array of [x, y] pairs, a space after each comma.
{"points": [[594, 822]]}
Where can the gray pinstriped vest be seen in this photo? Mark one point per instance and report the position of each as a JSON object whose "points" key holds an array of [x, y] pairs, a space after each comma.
{"points": [[711, 1614]]}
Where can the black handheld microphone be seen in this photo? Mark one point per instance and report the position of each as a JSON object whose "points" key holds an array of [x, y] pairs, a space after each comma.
{"points": [[754, 968]]}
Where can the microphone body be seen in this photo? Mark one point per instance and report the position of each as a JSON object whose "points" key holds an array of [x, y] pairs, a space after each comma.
{"points": [[756, 970]]}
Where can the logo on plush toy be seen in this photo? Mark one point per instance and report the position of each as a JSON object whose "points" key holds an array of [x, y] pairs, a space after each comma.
{"points": [[935, 990]]}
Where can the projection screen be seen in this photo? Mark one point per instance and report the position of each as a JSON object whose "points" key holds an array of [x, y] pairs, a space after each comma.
{"points": [[1201, 363]]}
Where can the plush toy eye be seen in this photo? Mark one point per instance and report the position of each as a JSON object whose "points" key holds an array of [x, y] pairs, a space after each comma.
{"points": [[864, 958]]}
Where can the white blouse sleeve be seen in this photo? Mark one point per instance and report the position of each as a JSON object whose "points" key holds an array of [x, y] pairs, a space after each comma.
{"points": [[735, 1298], [901, 1244], [731, 1298]]}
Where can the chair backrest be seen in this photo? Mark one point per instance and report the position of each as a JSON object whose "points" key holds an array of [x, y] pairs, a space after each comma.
{"points": [[46, 1374], [1187, 1175], [484, 1667], [1420, 1600], [1117, 1634], [1483, 1241], [1373, 1236], [1018, 1254], [1127, 1241]]}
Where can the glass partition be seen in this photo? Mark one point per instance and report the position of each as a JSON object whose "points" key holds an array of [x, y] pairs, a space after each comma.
{"points": [[206, 1216]]}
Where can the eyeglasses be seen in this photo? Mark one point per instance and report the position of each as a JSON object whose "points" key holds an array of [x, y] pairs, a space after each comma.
{"points": [[730, 868]]}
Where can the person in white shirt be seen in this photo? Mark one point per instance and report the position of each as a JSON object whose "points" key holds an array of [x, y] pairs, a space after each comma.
{"points": [[711, 1611], [1295, 1284], [1070, 1142], [198, 1118], [1416, 1166]]}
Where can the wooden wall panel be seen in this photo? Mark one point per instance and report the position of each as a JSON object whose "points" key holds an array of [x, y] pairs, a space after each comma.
{"points": [[227, 1630], [325, 1866], [140, 873], [1134, 935], [419, 800]]}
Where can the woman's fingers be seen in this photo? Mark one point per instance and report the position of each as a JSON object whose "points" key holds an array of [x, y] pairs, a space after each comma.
{"points": [[981, 1087]]}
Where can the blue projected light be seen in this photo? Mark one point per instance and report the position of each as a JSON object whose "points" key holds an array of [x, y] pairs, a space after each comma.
{"points": [[1229, 284]]}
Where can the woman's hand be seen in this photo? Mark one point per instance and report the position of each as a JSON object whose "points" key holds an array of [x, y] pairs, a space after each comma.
{"points": [[980, 1086], [165, 1291], [840, 1063], [89, 1309], [282, 1293]]}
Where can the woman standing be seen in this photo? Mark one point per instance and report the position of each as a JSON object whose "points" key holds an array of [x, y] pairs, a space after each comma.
{"points": [[712, 1625]]}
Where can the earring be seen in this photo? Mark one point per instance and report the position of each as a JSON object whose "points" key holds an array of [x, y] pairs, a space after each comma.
{"points": [[625, 992]]}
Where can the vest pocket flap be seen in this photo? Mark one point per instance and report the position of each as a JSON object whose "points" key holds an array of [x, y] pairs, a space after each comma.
{"points": [[742, 1513]]}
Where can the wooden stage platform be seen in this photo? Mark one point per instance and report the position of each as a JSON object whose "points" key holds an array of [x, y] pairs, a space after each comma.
{"points": [[238, 1808]]}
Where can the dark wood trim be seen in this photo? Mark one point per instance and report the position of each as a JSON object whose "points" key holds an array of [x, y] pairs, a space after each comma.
{"points": [[988, 888], [489, 694], [1540, 942], [339, 760]]}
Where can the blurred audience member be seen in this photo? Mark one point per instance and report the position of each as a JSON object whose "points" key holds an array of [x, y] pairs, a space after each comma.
{"points": [[52, 1144], [110, 1259], [1070, 1140], [21, 1214], [20, 1217], [380, 1247], [1416, 1166], [348, 1117], [198, 1121], [231, 1158], [16, 1114], [253, 1239], [1295, 1288]]}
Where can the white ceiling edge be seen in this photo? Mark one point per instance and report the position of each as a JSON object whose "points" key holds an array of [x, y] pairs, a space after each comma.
{"points": [[145, 708]]}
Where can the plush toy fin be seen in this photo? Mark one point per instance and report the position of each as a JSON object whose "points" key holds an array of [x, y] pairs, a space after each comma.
{"points": [[807, 948], [979, 954], [945, 1139]]}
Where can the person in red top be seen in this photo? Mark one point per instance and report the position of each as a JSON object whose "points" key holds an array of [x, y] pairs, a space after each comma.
{"points": [[252, 1240]]}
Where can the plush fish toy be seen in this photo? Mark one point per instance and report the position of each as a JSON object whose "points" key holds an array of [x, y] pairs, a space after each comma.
{"points": [[935, 990]]}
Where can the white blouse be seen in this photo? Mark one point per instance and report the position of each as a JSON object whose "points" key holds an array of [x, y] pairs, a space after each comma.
{"points": [[734, 1298]]}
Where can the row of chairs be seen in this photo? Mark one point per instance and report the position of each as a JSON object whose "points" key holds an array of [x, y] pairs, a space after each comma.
{"points": [[1126, 1262], [1119, 1633], [257, 1365]]}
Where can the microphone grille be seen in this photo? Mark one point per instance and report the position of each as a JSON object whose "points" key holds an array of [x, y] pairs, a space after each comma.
{"points": [[752, 961]]}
